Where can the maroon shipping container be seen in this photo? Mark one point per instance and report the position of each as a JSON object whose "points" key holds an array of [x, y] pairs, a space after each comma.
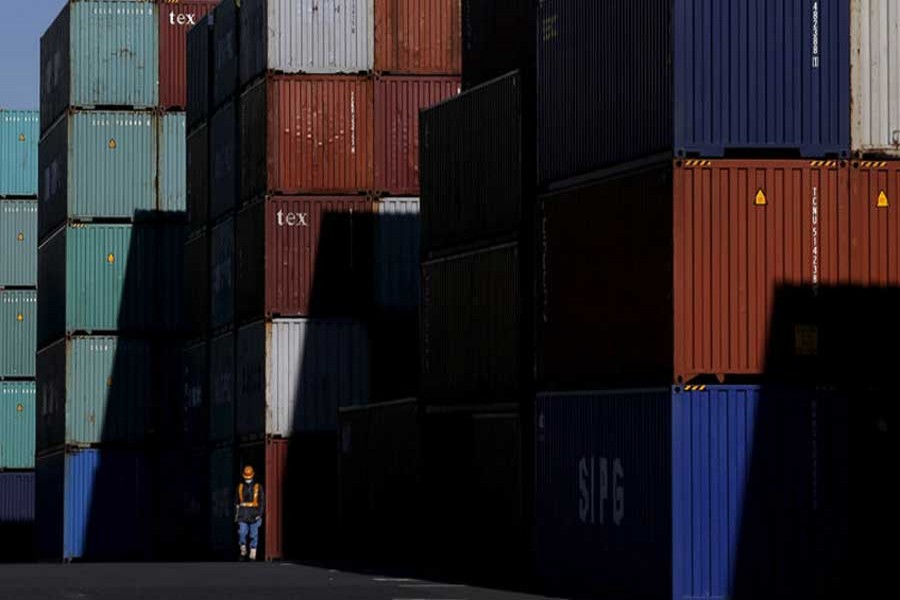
{"points": [[669, 273], [198, 177], [175, 20], [304, 256], [418, 37], [197, 280], [875, 223], [306, 134], [398, 101], [471, 328]]}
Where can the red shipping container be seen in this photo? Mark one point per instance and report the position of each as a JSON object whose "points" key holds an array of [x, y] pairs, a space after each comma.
{"points": [[662, 275], [418, 37], [875, 222], [304, 134], [304, 256], [176, 18], [398, 101]]}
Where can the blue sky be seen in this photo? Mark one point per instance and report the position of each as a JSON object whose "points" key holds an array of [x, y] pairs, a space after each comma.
{"points": [[20, 50]]}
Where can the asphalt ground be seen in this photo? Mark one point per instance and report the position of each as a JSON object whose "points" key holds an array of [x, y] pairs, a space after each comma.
{"points": [[222, 581]]}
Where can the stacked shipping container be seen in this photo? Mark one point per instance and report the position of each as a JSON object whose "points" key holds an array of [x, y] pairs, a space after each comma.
{"points": [[111, 228], [19, 132]]}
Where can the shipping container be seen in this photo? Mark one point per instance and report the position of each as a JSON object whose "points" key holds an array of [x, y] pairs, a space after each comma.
{"points": [[98, 164], [307, 134], [690, 76], [198, 177], [199, 68], [224, 153], [17, 423], [100, 54], [167, 411], [722, 491], [222, 274], [19, 135], [304, 36], [271, 460], [471, 170], [875, 223], [396, 254], [94, 390], [294, 374], [712, 240], [398, 101], [172, 168], [471, 319], [304, 256], [18, 333], [16, 498], [223, 474], [497, 37], [100, 278], [222, 381], [175, 20], [18, 243], [197, 280], [94, 505], [196, 395], [225, 52], [416, 37]]}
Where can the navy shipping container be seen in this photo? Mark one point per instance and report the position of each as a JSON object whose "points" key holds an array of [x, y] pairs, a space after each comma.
{"points": [[16, 498], [222, 274], [195, 401], [199, 72], [223, 159], [198, 177], [498, 37], [225, 52], [197, 279], [618, 81], [93, 505], [706, 492], [223, 474], [222, 386]]}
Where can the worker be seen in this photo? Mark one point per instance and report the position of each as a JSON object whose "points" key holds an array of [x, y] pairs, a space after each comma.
{"points": [[249, 511]]}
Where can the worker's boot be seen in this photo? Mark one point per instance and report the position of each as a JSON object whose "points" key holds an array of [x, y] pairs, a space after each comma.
{"points": [[252, 553], [243, 552]]}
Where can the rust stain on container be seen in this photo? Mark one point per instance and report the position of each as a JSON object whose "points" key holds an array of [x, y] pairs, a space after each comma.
{"points": [[418, 36], [175, 20], [875, 222], [398, 101]]}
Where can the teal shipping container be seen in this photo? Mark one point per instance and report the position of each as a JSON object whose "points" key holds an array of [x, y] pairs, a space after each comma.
{"points": [[100, 53], [18, 243], [18, 330], [98, 164], [172, 163], [94, 390], [19, 134], [17, 410]]}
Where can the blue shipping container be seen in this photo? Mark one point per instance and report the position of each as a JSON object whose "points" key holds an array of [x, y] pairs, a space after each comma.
{"points": [[19, 135], [621, 80], [93, 504], [700, 492], [16, 498]]}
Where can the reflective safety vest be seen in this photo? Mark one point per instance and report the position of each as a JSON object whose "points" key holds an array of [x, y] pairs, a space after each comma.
{"points": [[255, 502]]}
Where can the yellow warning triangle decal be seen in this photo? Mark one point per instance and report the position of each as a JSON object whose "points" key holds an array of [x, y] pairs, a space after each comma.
{"points": [[882, 200], [761, 198]]}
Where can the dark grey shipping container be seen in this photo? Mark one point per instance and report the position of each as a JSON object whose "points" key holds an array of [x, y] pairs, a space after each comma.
{"points": [[471, 320], [222, 386], [498, 37], [222, 274], [471, 166], [195, 400], [223, 158], [199, 71], [225, 52], [198, 177], [197, 279]]}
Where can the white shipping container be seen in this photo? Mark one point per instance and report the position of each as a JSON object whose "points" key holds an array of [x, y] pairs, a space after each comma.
{"points": [[875, 80], [294, 374]]}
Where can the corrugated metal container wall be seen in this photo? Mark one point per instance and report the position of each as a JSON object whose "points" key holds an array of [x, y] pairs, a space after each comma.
{"points": [[471, 169], [310, 257], [306, 36], [398, 101], [195, 402], [225, 52], [787, 83], [478, 293], [222, 273], [100, 53], [18, 333], [272, 460], [94, 390], [17, 426], [307, 134], [172, 167], [93, 504], [198, 177], [497, 37], [412, 36], [175, 20], [16, 498], [294, 374], [222, 380], [199, 69], [197, 279], [18, 242], [19, 135], [223, 158], [222, 475], [168, 295], [875, 223], [396, 254], [98, 164]]}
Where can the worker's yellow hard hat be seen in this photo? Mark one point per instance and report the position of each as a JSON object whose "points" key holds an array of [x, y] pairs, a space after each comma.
{"points": [[248, 472]]}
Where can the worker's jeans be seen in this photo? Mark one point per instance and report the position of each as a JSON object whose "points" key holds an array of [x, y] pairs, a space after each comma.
{"points": [[252, 529]]}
